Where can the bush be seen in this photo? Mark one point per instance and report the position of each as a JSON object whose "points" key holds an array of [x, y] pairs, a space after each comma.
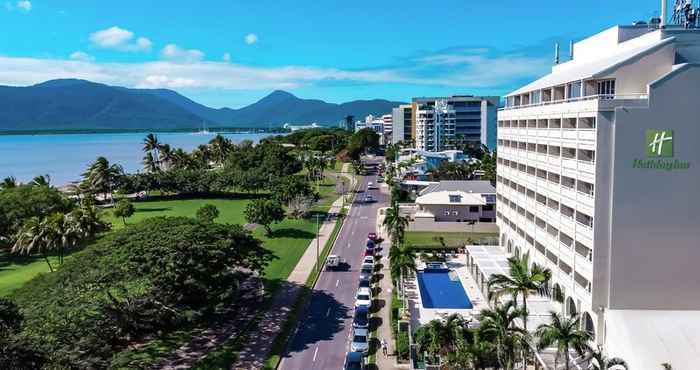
{"points": [[403, 348]]}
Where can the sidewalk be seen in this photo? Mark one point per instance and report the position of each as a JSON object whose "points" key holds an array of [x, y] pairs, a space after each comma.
{"points": [[256, 350]]}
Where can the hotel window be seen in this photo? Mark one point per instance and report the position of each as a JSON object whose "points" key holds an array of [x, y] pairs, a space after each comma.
{"points": [[455, 198], [584, 219], [606, 87], [536, 97], [488, 207], [574, 90], [473, 209]]}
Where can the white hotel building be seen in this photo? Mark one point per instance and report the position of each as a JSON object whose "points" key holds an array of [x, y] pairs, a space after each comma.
{"points": [[580, 189]]}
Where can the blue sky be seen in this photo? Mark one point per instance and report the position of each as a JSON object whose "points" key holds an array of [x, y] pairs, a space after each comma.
{"points": [[231, 53]]}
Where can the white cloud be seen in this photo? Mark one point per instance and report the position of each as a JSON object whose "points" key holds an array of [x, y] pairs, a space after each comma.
{"points": [[251, 38], [24, 5], [82, 56], [119, 39], [226, 58], [175, 53]]}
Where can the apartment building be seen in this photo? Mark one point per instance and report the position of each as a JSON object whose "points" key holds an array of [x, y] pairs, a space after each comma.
{"points": [[387, 124], [402, 130], [598, 169], [440, 123]]}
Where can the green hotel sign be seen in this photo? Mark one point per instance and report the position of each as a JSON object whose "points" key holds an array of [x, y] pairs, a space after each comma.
{"points": [[659, 151]]}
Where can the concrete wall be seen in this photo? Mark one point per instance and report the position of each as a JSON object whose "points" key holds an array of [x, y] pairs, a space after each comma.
{"points": [[463, 213], [655, 216], [634, 77]]}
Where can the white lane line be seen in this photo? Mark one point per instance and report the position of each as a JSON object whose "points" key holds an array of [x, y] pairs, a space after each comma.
{"points": [[348, 245], [328, 313], [337, 282], [315, 353]]}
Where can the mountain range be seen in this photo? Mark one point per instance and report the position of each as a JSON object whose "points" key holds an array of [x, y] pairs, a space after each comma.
{"points": [[71, 104]]}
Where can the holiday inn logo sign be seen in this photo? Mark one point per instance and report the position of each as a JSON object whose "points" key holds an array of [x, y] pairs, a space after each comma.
{"points": [[659, 152]]}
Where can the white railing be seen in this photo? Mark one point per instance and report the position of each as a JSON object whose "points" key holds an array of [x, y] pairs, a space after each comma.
{"points": [[580, 98]]}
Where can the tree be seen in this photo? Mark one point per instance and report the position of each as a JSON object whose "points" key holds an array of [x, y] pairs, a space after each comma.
{"points": [[498, 325], [165, 156], [207, 213], [395, 223], [32, 239], [10, 317], [521, 280], [292, 187], [363, 141], [599, 361], [564, 333], [488, 165], [101, 176], [402, 261], [150, 163], [15, 352], [42, 180], [8, 183], [264, 212], [220, 148], [124, 209]]}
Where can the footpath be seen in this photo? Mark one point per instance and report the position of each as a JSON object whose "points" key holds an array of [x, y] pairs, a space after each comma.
{"points": [[260, 342]]}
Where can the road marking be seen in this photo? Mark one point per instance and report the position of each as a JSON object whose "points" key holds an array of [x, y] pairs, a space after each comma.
{"points": [[337, 282], [315, 353], [328, 313], [348, 245]]}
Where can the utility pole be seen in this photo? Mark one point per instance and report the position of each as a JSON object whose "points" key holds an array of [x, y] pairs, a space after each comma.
{"points": [[318, 253]]}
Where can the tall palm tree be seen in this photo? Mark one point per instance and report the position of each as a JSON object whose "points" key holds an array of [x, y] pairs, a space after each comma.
{"points": [[30, 239], [432, 339], [402, 261], [521, 280], [42, 180], [395, 224], [599, 361], [151, 145], [498, 325], [181, 159], [8, 183], [150, 163], [565, 334], [165, 156], [202, 155]]}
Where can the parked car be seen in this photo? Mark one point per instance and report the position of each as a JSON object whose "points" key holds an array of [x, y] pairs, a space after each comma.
{"points": [[380, 179], [372, 237], [369, 252], [366, 272], [361, 318], [370, 243], [365, 283], [360, 341], [368, 261], [354, 361], [363, 297]]}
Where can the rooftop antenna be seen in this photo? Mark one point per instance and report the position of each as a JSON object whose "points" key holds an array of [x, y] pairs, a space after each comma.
{"points": [[684, 14], [571, 49], [556, 53]]}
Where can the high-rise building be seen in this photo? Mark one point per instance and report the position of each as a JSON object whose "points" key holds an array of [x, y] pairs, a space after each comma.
{"points": [[440, 123], [402, 124], [598, 169], [387, 120]]}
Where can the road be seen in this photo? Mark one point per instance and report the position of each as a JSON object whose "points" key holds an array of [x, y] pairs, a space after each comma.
{"points": [[323, 335]]}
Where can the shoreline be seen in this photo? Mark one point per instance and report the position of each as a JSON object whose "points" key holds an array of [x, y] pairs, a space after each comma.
{"points": [[213, 130]]}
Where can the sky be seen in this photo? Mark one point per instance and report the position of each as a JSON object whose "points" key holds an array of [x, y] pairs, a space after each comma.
{"points": [[232, 53]]}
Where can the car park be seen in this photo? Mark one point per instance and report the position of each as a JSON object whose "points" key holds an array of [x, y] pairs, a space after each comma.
{"points": [[363, 297], [361, 318], [360, 340], [354, 361]]}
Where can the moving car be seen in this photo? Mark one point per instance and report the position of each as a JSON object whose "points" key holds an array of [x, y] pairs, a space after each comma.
{"points": [[370, 185], [360, 341], [380, 179], [369, 199], [361, 319], [334, 262], [354, 361], [363, 297]]}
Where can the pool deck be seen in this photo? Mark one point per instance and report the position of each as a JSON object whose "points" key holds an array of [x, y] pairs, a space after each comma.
{"points": [[421, 315]]}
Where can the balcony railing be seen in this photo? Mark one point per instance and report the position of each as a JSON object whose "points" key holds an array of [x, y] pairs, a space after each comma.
{"points": [[580, 98]]}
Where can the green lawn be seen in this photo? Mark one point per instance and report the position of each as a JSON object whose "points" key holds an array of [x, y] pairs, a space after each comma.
{"points": [[16, 273], [426, 239]]}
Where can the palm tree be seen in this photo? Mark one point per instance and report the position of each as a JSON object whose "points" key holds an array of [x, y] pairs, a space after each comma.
{"points": [[8, 183], [565, 333], [150, 163], [220, 148], [151, 145], [165, 157], [498, 325], [599, 361], [402, 261], [395, 223], [101, 176], [202, 155], [42, 180], [181, 159], [30, 239], [521, 280], [432, 339]]}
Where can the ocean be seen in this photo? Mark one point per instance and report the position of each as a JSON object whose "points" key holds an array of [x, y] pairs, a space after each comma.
{"points": [[64, 157]]}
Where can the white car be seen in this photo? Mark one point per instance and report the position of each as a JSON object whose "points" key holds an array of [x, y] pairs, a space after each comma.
{"points": [[368, 260], [360, 340], [370, 185], [363, 297]]}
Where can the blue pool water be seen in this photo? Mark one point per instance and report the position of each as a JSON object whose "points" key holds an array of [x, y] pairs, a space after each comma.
{"points": [[439, 290]]}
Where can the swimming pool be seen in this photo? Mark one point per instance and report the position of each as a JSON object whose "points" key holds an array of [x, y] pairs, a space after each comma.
{"points": [[441, 288]]}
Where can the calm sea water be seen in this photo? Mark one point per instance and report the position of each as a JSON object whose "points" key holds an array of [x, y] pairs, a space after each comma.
{"points": [[65, 157]]}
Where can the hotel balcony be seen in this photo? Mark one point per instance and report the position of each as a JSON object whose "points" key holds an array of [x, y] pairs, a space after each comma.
{"points": [[590, 103]]}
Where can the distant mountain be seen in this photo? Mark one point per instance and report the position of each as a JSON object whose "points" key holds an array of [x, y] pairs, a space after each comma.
{"points": [[70, 104]]}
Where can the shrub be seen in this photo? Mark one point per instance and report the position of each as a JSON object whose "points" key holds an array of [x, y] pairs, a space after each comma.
{"points": [[402, 345]]}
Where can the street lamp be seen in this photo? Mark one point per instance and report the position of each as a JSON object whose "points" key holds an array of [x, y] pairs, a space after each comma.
{"points": [[318, 253]]}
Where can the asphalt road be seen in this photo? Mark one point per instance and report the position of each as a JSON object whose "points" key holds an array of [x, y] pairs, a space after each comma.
{"points": [[323, 335]]}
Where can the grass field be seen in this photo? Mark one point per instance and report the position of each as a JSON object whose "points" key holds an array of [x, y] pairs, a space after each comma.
{"points": [[290, 239], [427, 239]]}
